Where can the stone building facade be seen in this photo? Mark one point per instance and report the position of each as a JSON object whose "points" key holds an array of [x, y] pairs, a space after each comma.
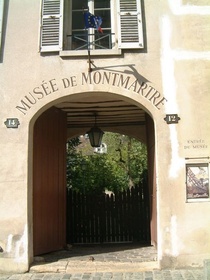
{"points": [[154, 60]]}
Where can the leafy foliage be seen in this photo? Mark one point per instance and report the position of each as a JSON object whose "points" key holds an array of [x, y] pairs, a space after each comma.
{"points": [[121, 167]]}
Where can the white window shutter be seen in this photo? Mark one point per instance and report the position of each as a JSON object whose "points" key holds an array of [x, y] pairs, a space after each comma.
{"points": [[51, 25], [1, 19], [130, 24]]}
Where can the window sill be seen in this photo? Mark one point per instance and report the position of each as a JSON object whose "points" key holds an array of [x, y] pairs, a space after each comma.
{"points": [[92, 52]]}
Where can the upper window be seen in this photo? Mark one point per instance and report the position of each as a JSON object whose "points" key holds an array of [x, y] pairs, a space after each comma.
{"points": [[63, 25], [76, 37]]}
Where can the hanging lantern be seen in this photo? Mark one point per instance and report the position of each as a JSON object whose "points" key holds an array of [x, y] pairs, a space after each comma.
{"points": [[95, 135]]}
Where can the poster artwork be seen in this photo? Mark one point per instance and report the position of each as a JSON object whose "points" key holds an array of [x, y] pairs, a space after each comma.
{"points": [[197, 180]]}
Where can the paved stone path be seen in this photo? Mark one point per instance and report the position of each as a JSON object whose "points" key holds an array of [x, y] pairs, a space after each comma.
{"points": [[92, 259], [103, 253], [116, 252], [104, 263], [188, 274]]}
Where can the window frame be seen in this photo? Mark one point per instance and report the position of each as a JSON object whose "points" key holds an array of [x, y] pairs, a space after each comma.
{"points": [[68, 31], [117, 42]]}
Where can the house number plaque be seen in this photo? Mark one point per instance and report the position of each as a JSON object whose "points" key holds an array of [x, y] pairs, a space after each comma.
{"points": [[12, 123], [172, 118]]}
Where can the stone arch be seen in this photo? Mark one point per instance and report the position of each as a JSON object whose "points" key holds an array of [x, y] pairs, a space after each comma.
{"points": [[124, 96]]}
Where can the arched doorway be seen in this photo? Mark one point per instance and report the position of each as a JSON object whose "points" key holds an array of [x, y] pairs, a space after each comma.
{"points": [[70, 118]]}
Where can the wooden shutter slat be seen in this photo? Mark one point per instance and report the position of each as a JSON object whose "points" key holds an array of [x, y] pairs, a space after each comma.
{"points": [[51, 27], [130, 23]]}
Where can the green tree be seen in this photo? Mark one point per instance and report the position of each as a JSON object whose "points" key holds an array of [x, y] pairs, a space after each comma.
{"points": [[121, 167], [72, 159]]}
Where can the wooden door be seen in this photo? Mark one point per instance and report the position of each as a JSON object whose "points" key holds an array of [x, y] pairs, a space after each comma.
{"points": [[152, 178], [49, 182]]}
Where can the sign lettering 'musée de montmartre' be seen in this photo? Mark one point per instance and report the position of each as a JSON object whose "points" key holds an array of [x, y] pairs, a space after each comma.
{"points": [[119, 80]]}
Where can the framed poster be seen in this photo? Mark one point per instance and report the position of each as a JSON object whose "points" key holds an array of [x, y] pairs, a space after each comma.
{"points": [[197, 181]]}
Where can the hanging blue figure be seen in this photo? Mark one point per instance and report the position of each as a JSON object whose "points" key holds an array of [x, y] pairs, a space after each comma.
{"points": [[92, 21]]}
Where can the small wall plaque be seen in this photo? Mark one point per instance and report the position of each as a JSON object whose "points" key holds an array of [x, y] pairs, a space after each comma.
{"points": [[172, 118], [12, 123]]}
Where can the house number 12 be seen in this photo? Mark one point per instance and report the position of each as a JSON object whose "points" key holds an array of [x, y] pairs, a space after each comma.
{"points": [[172, 118]]}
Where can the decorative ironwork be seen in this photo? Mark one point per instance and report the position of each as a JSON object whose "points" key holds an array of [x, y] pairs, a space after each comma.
{"points": [[90, 41]]}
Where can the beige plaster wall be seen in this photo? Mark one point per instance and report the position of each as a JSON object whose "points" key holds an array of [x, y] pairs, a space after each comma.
{"points": [[183, 226], [176, 63]]}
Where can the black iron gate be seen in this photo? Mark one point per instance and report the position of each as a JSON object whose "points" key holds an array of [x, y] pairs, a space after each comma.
{"points": [[119, 217]]}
